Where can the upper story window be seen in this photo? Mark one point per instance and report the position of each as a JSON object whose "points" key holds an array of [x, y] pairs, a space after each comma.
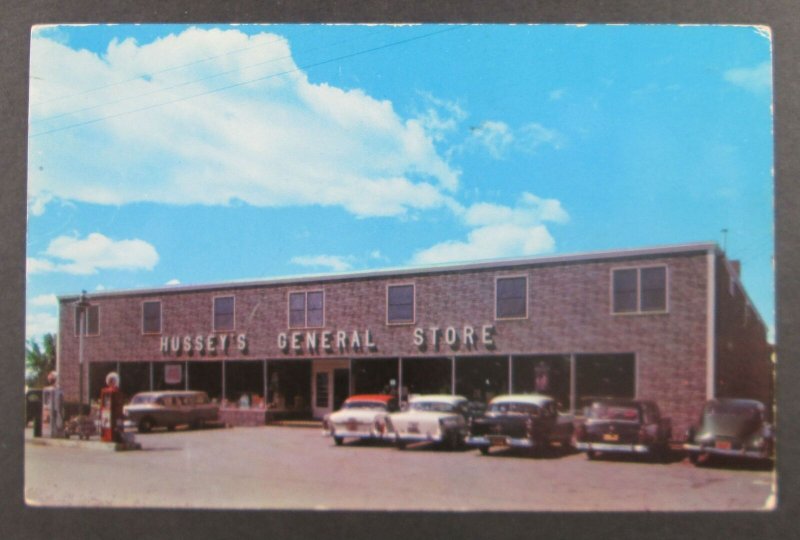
{"points": [[511, 295], [151, 317], [91, 321], [400, 304], [639, 290], [306, 309], [223, 313]]}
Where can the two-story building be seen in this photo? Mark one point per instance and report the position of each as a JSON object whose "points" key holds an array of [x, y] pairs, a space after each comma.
{"points": [[670, 323]]}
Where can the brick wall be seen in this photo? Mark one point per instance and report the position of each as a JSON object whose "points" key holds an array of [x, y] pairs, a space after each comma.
{"points": [[568, 312]]}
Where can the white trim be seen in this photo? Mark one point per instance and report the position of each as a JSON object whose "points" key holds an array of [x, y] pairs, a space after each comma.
{"points": [[304, 292], [711, 332], [527, 293], [639, 310], [214, 309], [413, 303], [160, 317]]}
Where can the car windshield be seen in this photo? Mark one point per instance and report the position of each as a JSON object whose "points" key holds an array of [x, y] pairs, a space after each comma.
{"points": [[139, 399], [606, 411], [526, 408], [436, 406], [739, 410], [365, 405]]}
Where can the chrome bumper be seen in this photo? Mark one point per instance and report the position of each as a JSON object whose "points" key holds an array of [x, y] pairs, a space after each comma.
{"points": [[500, 441], [698, 449], [357, 434], [606, 447]]}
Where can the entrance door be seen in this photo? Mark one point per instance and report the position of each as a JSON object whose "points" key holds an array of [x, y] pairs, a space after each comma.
{"points": [[330, 385]]}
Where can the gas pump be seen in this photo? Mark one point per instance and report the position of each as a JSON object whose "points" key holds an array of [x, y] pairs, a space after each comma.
{"points": [[52, 409], [111, 421]]}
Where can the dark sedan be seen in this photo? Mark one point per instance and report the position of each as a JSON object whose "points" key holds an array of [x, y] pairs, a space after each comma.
{"points": [[731, 427], [529, 421], [624, 425]]}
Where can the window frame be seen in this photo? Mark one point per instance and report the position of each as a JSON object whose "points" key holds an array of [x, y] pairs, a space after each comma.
{"points": [[526, 296], [639, 310], [160, 317], [214, 313], [404, 322], [305, 293], [86, 328]]}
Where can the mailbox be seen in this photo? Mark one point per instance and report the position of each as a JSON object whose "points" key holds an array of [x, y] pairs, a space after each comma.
{"points": [[111, 401]]}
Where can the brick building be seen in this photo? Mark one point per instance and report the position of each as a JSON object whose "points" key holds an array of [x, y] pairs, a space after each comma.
{"points": [[671, 323]]}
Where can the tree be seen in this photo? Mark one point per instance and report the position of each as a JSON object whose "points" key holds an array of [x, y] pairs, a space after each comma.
{"points": [[39, 361]]}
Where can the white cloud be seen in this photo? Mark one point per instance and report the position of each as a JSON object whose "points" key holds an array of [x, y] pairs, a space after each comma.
{"points": [[332, 262], [173, 282], [500, 231], [73, 255], [278, 141], [44, 300], [533, 135], [755, 79], [37, 324], [495, 136], [499, 139], [556, 94]]}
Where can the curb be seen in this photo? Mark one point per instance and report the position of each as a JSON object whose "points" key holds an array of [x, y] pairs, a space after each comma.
{"points": [[89, 445]]}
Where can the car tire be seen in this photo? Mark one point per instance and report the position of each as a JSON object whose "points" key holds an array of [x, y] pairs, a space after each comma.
{"points": [[699, 459], [452, 440], [590, 455], [401, 445], [146, 425], [171, 427], [338, 440], [484, 450]]}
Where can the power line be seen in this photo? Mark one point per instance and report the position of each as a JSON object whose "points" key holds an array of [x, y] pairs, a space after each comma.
{"points": [[258, 79], [174, 86]]}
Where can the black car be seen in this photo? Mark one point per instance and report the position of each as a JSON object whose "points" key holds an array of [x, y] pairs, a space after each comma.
{"points": [[529, 421], [731, 427], [624, 425]]}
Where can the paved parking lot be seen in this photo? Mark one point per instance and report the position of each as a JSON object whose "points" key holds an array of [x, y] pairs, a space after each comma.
{"points": [[289, 467]]}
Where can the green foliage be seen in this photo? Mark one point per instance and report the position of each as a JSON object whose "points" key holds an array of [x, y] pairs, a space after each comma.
{"points": [[40, 360]]}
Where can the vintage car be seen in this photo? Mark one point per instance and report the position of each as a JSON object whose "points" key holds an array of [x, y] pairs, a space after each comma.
{"points": [[435, 418], [361, 417], [530, 421], [169, 409], [624, 425], [731, 427]]}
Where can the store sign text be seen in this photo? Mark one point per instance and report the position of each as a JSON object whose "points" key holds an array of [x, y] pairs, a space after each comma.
{"points": [[204, 344], [327, 341], [467, 336]]}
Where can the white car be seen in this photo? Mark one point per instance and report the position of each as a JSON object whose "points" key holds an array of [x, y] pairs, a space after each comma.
{"points": [[431, 418], [361, 417]]}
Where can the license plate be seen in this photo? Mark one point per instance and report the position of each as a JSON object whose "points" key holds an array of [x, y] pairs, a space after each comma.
{"points": [[723, 445], [611, 436], [352, 425], [413, 427], [497, 441]]}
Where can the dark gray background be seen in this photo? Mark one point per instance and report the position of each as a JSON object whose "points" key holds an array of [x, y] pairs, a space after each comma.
{"points": [[17, 521]]}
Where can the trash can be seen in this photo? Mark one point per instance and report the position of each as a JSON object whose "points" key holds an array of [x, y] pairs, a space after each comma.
{"points": [[33, 410]]}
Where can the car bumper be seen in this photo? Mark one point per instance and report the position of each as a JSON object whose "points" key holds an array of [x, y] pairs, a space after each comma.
{"points": [[698, 449], [344, 434], [511, 442], [607, 447]]}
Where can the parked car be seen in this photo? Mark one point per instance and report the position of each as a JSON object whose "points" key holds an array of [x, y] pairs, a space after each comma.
{"points": [[529, 421], [731, 427], [435, 418], [361, 417], [169, 409], [624, 425]]}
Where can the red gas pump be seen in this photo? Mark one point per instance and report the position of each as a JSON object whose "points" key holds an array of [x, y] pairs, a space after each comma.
{"points": [[111, 421]]}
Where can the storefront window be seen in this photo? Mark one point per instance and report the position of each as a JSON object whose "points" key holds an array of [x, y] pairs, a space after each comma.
{"points": [[400, 304], [151, 317], [223, 313], [639, 290], [306, 309]]}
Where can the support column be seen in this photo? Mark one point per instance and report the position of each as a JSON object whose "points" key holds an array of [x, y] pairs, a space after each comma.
{"points": [[266, 383], [186, 375], [572, 383], [151, 376], [453, 375], [223, 380], [510, 374], [349, 376], [399, 380]]}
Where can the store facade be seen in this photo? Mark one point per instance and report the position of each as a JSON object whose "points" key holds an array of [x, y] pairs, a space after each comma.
{"points": [[670, 323]]}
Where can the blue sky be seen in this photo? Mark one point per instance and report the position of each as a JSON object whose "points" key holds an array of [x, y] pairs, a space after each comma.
{"points": [[164, 154]]}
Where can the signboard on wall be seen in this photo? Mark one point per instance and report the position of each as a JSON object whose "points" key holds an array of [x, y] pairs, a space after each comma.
{"points": [[173, 373]]}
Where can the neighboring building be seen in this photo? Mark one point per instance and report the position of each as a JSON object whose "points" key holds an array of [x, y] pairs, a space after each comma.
{"points": [[671, 323]]}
